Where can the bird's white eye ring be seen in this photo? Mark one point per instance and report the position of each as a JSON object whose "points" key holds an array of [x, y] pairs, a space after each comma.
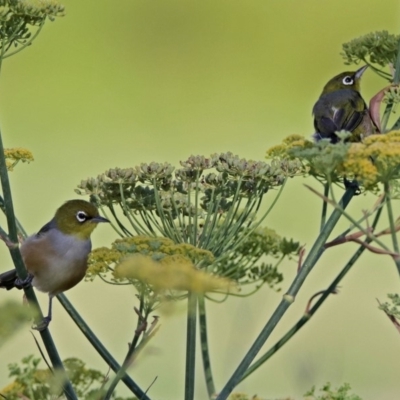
{"points": [[81, 216], [348, 80]]}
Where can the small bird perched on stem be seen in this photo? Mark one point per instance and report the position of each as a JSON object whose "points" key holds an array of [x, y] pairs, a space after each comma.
{"points": [[56, 256], [341, 107]]}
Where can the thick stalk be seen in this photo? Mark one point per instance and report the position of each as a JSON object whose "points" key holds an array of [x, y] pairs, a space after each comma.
{"points": [[205, 351], [314, 255], [190, 347]]}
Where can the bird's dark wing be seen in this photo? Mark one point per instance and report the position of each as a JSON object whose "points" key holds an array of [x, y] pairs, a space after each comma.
{"points": [[50, 225], [7, 279], [336, 111]]}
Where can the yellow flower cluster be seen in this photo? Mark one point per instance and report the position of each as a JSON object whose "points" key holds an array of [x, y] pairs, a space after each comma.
{"points": [[15, 155], [290, 142], [100, 261], [376, 159], [154, 246], [157, 261], [174, 272]]}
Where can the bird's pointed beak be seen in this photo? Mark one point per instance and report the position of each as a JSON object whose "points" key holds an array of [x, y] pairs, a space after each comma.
{"points": [[99, 219], [360, 71]]}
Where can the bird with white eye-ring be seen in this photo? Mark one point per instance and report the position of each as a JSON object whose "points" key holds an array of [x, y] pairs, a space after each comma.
{"points": [[56, 256], [341, 107]]}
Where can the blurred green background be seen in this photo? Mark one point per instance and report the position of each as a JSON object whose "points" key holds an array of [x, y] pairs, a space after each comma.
{"points": [[117, 83]]}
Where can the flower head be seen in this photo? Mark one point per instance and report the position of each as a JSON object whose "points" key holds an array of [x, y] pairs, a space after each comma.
{"points": [[15, 155]]}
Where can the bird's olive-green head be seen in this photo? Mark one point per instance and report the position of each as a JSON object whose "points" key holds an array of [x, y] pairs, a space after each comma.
{"points": [[345, 80], [78, 218]]}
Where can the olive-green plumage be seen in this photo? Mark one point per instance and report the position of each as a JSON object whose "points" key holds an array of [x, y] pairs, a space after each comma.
{"points": [[56, 257], [341, 107]]}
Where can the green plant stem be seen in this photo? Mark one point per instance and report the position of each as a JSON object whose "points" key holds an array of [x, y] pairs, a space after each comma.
{"points": [[22, 273], [122, 370], [396, 78], [355, 223], [324, 205], [20, 228], [396, 81], [205, 352], [392, 225], [29, 42], [132, 347], [103, 352], [190, 347], [314, 255], [385, 117], [305, 318]]}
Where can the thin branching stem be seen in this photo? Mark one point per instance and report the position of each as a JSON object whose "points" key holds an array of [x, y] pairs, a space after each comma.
{"points": [[380, 72], [392, 224], [396, 80], [312, 258], [181, 233], [305, 318], [98, 346], [135, 225], [151, 221], [181, 220], [168, 228], [29, 42], [324, 205], [105, 214], [209, 225], [355, 223], [140, 328], [196, 205], [239, 240], [120, 224]]}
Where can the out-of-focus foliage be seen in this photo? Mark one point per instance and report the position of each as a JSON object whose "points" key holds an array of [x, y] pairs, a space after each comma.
{"points": [[248, 264], [392, 309], [13, 317], [328, 393], [157, 267], [32, 382]]}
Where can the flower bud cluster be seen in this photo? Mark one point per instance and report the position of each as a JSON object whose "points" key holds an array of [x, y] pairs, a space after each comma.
{"points": [[138, 187], [15, 155], [18, 16], [379, 47]]}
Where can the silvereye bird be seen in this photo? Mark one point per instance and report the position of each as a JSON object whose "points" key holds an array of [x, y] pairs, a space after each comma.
{"points": [[56, 256], [341, 107]]}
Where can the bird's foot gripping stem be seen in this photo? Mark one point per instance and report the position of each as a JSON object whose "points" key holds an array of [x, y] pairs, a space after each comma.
{"points": [[42, 325], [23, 283], [352, 184]]}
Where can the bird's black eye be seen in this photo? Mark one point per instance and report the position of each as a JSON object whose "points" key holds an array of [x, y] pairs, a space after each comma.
{"points": [[81, 216], [348, 80]]}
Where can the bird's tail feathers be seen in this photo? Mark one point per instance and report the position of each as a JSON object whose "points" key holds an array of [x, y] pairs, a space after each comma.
{"points": [[7, 279]]}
